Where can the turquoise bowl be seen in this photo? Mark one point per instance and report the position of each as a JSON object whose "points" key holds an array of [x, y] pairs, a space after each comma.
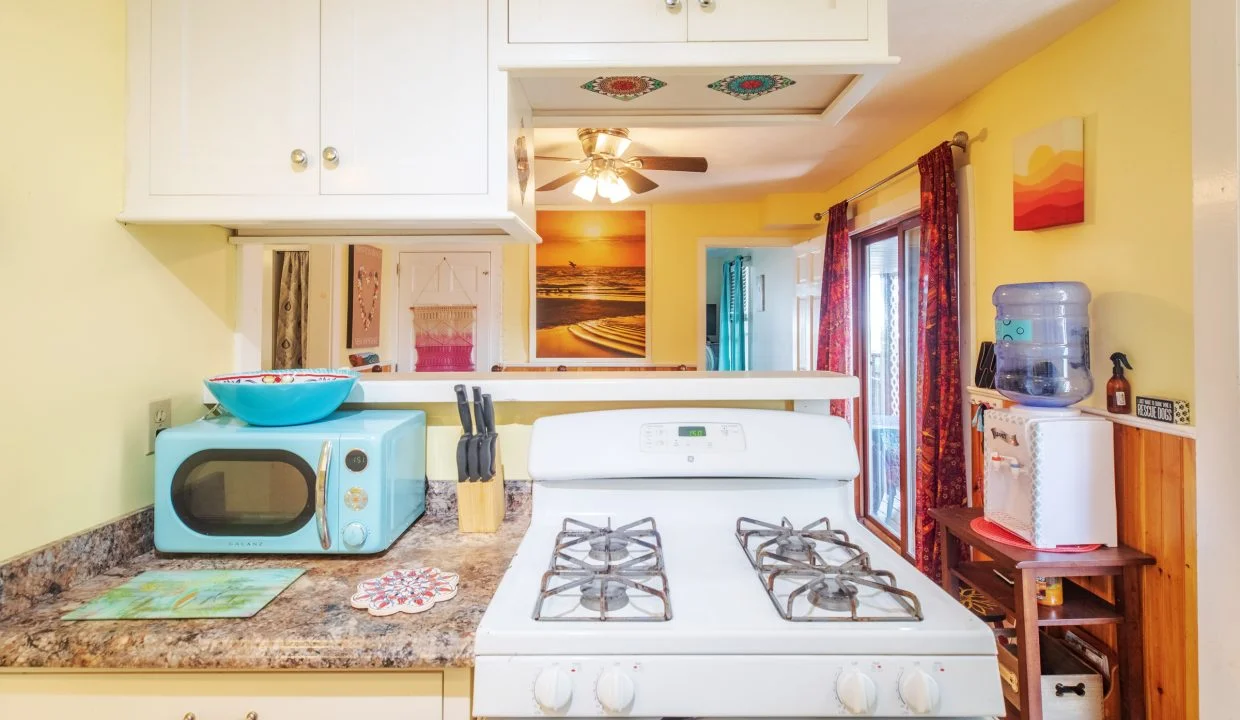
{"points": [[282, 397]]}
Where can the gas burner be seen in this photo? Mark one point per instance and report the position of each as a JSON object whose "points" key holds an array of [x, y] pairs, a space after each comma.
{"points": [[795, 547], [602, 595], [768, 546], [832, 594], [814, 574], [601, 573], [582, 546], [609, 548]]}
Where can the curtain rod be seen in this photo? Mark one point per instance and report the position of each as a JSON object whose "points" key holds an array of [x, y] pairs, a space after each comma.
{"points": [[960, 140]]}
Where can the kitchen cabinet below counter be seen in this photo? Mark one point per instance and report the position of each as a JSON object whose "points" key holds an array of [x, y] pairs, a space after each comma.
{"points": [[810, 390], [253, 696]]}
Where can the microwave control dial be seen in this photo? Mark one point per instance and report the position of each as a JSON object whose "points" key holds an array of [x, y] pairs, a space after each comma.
{"points": [[354, 535]]}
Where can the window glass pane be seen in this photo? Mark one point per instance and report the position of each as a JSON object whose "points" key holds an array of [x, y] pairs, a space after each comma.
{"points": [[912, 267], [885, 398]]}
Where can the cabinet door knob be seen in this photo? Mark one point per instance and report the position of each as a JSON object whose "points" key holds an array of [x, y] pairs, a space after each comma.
{"points": [[299, 158], [251, 715], [706, 4], [330, 156], [190, 716], [673, 4]]}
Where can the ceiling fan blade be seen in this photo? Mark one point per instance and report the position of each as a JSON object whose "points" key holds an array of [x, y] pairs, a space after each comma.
{"points": [[560, 182], [557, 159], [637, 182], [682, 164]]}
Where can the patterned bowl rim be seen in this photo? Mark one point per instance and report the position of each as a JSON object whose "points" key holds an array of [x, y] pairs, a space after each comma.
{"points": [[328, 373]]}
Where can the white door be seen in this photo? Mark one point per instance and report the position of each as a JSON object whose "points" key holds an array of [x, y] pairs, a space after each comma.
{"points": [[404, 97], [597, 21], [448, 279], [776, 20], [234, 93]]}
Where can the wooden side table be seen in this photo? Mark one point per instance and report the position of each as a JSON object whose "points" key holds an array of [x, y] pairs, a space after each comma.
{"points": [[1080, 606]]}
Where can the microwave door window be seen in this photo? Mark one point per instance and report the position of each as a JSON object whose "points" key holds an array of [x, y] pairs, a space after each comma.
{"points": [[244, 493]]}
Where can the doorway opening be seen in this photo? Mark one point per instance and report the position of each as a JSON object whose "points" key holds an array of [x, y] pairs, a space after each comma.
{"points": [[750, 309]]}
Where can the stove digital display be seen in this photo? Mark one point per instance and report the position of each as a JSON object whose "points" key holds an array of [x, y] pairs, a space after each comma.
{"points": [[692, 431]]}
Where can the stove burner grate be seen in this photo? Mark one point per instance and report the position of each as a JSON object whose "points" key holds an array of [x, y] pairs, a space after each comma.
{"points": [[605, 570], [782, 553]]}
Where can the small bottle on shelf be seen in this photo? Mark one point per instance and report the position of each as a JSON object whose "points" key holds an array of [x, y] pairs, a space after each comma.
{"points": [[1119, 392]]}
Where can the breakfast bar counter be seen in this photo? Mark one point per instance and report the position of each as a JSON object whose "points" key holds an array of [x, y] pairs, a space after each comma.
{"points": [[311, 625]]}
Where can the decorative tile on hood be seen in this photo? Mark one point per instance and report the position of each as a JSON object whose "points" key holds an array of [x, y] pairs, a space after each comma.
{"points": [[623, 87], [748, 87]]}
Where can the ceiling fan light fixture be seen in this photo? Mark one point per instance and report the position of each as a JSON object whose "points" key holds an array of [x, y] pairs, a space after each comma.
{"points": [[586, 188], [612, 187]]}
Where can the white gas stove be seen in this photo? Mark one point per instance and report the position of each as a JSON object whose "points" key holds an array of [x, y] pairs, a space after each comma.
{"points": [[708, 562]]}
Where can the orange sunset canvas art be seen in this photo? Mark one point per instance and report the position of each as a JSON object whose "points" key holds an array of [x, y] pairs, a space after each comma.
{"points": [[1048, 180]]}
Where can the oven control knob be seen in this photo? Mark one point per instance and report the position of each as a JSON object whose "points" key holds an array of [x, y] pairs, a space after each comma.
{"points": [[553, 689], [919, 692], [354, 535], [615, 691], [857, 693]]}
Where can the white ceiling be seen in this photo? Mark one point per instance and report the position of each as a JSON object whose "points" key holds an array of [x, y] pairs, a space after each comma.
{"points": [[949, 49]]}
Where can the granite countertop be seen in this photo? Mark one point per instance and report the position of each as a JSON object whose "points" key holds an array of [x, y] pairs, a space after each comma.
{"points": [[309, 626]]}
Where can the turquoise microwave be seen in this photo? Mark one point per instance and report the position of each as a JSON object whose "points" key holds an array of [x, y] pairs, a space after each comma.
{"points": [[348, 484]]}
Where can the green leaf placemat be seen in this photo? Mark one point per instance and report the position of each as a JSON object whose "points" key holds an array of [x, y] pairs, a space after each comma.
{"points": [[184, 594]]}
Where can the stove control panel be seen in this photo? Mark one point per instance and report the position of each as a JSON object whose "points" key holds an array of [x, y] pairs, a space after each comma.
{"points": [[721, 685], [692, 438]]}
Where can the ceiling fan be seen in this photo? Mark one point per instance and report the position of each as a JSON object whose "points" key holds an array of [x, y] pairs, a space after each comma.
{"points": [[606, 172]]}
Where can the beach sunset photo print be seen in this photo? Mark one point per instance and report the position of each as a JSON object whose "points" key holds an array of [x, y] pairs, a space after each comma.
{"points": [[590, 285], [1048, 180]]}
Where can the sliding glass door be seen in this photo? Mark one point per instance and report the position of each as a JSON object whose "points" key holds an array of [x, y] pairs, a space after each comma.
{"points": [[886, 269]]}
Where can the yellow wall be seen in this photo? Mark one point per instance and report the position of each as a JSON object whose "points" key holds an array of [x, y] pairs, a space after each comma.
{"points": [[1127, 73], [97, 319], [673, 276]]}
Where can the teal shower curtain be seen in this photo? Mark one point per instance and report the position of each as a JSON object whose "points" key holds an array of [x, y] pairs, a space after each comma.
{"points": [[734, 316]]}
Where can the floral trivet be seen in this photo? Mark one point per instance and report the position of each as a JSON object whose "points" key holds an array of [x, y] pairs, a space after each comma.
{"points": [[407, 591]]}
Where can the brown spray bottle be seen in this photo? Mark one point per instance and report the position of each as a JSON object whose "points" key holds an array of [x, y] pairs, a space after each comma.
{"points": [[1119, 392]]}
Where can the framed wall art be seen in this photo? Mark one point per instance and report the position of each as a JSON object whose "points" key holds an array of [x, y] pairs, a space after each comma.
{"points": [[588, 279], [1048, 176], [365, 297]]}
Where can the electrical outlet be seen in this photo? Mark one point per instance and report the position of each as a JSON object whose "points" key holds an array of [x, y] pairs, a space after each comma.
{"points": [[159, 417]]}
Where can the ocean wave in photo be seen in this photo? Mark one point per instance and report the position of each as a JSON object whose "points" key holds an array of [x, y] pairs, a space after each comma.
{"points": [[620, 284]]}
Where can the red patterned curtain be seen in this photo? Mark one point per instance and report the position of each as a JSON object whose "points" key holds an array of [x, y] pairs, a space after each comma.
{"points": [[940, 441], [835, 321]]}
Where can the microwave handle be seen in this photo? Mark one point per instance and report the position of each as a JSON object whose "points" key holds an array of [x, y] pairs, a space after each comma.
{"points": [[320, 495]]}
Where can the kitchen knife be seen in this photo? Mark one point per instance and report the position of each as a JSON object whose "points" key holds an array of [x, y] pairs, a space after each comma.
{"points": [[480, 450], [488, 419], [462, 445]]}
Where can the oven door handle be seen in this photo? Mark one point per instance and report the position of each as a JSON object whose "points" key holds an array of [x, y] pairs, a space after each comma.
{"points": [[320, 495]]}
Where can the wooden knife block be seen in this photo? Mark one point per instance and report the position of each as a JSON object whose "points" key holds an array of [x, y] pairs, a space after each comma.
{"points": [[480, 505]]}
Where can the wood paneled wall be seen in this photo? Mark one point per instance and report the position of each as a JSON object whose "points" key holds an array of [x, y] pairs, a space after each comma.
{"points": [[1155, 485]]}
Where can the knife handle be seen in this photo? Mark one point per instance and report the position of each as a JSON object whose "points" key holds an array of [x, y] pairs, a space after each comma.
{"points": [[462, 407], [488, 413]]}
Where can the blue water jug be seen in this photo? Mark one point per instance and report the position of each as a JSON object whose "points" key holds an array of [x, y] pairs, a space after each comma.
{"points": [[1042, 343]]}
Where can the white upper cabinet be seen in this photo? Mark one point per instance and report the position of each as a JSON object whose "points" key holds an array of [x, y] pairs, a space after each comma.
{"points": [[234, 93], [350, 115], [678, 21], [596, 21], [404, 106], [778, 20]]}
